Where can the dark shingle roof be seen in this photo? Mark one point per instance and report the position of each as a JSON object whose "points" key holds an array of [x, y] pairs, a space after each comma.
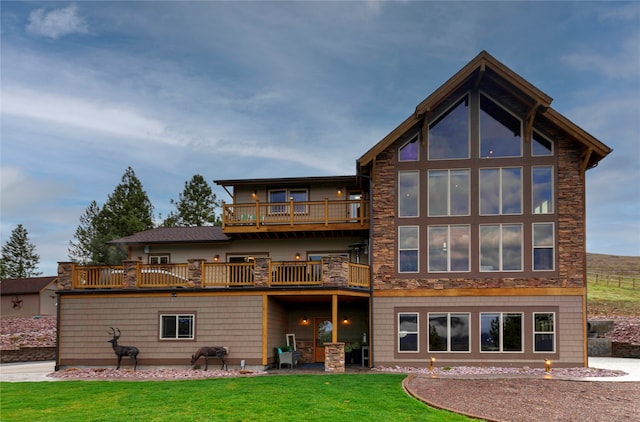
{"points": [[21, 286], [206, 234]]}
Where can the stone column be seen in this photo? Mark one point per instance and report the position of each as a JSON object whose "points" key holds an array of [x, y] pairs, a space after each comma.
{"points": [[261, 276], [65, 274], [130, 274], [195, 272], [335, 271], [334, 357]]}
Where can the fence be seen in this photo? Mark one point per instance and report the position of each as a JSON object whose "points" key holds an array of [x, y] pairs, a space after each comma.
{"points": [[620, 281]]}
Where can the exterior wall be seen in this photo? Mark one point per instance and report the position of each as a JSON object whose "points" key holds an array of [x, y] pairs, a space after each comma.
{"points": [[230, 321], [30, 305], [244, 194], [569, 330]]}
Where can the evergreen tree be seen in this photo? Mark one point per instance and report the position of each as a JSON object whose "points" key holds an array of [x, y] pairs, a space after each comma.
{"points": [[19, 257], [127, 210], [195, 207]]}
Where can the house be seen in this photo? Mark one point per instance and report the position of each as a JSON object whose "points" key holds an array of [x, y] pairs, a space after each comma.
{"points": [[28, 296], [461, 238]]}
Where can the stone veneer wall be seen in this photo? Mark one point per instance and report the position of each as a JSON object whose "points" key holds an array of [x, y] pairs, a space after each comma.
{"points": [[570, 213], [28, 354], [334, 357]]}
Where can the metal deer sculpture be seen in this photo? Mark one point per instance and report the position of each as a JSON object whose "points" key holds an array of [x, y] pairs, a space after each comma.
{"points": [[121, 351], [219, 352]]}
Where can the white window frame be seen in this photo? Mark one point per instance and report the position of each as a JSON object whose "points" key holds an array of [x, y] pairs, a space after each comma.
{"points": [[436, 118], [160, 259], [177, 317], [553, 191], [417, 179], [448, 315], [284, 209], [417, 332], [552, 247], [449, 171], [500, 190], [447, 247], [417, 248], [501, 319], [500, 249], [552, 332]]}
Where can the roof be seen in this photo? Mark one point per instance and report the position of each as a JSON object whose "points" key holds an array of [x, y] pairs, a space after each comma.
{"points": [[21, 286], [204, 234], [290, 181], [485, 66]]}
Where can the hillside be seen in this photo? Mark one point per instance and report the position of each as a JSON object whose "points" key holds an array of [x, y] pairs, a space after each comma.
{"points": [[613, 264]]}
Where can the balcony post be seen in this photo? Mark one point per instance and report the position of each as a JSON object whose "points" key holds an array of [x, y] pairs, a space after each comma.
{"points": [[291, 211], [195, 272], [261, 276], [326, 212], [335, 271], [257, 213], [65, 275], [130, 274], [224, 214]]}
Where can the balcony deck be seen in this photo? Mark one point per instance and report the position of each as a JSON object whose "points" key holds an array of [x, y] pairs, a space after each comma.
{"points": [[282, 217]]}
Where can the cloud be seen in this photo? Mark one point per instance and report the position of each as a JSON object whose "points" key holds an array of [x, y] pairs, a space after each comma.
{"points": [[57, 23]]}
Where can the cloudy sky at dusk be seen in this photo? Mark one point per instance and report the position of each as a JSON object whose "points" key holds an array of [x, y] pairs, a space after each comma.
{"points": [[259, 89]]}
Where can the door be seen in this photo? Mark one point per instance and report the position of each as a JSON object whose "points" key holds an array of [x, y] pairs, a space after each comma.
{"points": [[354, 209], [323, 333]]}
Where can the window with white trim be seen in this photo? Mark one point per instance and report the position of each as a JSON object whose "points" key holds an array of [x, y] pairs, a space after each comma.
{"points": [[448, 192], [408, 249], [159, 259], [501, 247], [283, 196], [449, 332], [177, 326], [543, 247], [544, 332], [408, 193], [449, 133], [501, 191], [500, 131], [542, 190], [408, 332], [449, 248], [501, 332]]}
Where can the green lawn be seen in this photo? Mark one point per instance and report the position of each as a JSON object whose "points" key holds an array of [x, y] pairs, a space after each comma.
{"points": [[264, 398], [612, 300]]}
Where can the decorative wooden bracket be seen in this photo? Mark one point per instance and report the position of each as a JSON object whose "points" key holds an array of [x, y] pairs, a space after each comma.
{"points": [[481, 72], [528, 122], [584, 161]]}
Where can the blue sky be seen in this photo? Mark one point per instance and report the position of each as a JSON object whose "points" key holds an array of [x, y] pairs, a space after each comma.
{"points": [[260, 89]]}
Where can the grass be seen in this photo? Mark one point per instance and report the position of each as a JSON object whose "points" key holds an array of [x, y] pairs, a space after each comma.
{"points": [[265, 398], [612, 300]]}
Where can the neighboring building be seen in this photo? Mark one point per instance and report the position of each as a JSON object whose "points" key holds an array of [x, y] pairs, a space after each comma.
{"points": [[28, 296], [460, 238]]}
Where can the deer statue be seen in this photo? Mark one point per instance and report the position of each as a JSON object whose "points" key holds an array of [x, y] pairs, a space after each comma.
{"points": [[123, 350], [219, 352]]}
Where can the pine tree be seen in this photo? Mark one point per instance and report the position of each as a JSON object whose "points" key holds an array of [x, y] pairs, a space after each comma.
{"points": [[196, 205], [127, 210], [19, 257]]}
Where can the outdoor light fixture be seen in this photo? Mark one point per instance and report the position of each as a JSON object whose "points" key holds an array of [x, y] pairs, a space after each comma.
{"points": [[345, 320], [305, 320], [339, 192], [547, 365], [297, 256], [216, 258], [254, 194], [431, 361]]}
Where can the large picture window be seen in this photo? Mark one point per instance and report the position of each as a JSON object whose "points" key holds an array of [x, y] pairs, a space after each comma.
{"points": [[408, 332], [408, 193], [408, 249], [449, 133], [449, 332], [501, 247], [544, 332], [501, 332], [500, 131], [501, 191], [543, 247], [284, 196], [448, 192], [177, 327], [542, 189], [449, 248]]}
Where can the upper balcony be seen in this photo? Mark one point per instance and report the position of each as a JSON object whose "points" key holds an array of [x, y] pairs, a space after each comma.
{"points": [[295, 216]]}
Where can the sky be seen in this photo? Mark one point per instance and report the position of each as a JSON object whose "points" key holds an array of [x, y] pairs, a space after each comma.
{"points": [[234, 90]]}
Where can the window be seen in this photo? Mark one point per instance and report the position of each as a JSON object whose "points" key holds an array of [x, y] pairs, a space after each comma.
{"points": [[500, 131], [448, 192], [501, 191], [542, 190], [543, 246], [408, 332], [448, 332], [541, 146], [159, 259], [408, 249], [408, 193], [501, 247], [284, 196], [449, 248], [501, 332], [410, 151], [449, 133], [177, 327], [544, 332]]}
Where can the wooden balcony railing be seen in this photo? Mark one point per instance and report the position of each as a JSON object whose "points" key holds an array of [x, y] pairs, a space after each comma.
{"points": [[353, 212], [220, 275]]}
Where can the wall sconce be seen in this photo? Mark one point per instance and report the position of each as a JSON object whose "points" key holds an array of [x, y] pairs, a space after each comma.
{"points": [[547, 365], [254, 194], [216, 258], [345, 320], [339, 192], [431, 361], [305, 320], [298, 256]]}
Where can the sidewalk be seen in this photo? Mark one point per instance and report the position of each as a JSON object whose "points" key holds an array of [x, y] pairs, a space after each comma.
{"points": [[37, 371]]}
